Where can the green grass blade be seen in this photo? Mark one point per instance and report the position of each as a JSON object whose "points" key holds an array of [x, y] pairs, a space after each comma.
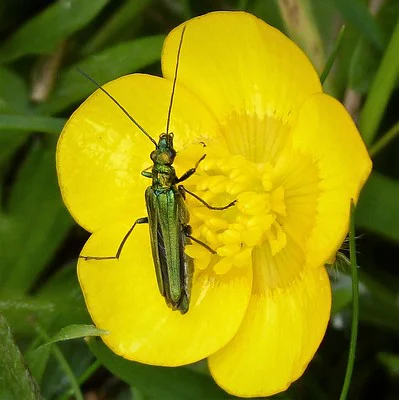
{"points": [[14, 92], [124, 17], [385, 139], [381, 89], [63, 362], [333, 55], [355, 305], [355, 12], [34, 223], [32, 123], [82, 379], [390, 362], [42, 33], [14, 99], [132, 56]]}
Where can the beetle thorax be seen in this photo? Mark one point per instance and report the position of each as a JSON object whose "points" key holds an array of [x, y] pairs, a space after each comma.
{"points": [[163, 177]]}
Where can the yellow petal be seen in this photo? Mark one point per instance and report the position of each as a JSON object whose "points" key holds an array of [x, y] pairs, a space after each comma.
{"points": [[123, 298], [326, 134], [237, 64], [281, 331], [101, 153]]}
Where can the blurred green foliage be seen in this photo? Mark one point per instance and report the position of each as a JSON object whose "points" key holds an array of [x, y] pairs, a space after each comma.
{"points": [[39, 88]]}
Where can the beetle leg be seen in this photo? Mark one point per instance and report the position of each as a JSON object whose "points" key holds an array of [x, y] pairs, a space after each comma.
{"points": [[143, 220], [182, 190], [187, 231], [190, 172]]}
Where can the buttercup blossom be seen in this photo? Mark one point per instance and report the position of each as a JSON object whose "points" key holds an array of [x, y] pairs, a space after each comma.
{"points": [[288, 153]]}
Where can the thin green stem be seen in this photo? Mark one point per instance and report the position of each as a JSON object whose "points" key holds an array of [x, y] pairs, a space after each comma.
{"points": [[63, 362], [333, 55], [355, 306], [82, 378], [385, 139]]}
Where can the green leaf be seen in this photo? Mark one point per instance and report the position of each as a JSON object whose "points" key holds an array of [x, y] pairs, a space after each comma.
{"points": [[63, 362], [13, 92], [378, 209], [44, 31], [339, 75], [75, 332], [390, 362], [363, 66], [385, 139], [269, 11], [119, 60], [379, 303], [64, 292], [32, 123], [56, 381], [324, 13], [10, 141], [58, 303], [126, 16], [35, 223], [366, 57], [355, 12], [19, 312], [15, 380], [158, 382], [333, 56], [13, 100], [381, 89], [62, 286], [90, 370]]}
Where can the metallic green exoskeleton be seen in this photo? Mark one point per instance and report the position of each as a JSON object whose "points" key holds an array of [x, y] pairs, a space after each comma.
{"points": [[168, 219], [168, 216]]}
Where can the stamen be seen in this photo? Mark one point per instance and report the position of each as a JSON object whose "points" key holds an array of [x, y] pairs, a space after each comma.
{"points": [[253, 221]]}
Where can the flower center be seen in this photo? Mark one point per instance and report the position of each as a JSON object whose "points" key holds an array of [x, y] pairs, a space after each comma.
{"points": [[256, 218]]}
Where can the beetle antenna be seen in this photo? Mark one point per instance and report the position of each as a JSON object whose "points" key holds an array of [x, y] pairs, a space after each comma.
{"points": [[123, 109], [174, 81]]}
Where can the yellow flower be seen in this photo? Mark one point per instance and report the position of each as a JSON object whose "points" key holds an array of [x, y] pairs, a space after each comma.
{"points": [[288, 153]]}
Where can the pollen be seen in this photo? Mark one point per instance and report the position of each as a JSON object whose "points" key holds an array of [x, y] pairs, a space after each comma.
{"points": [[256, 219]]}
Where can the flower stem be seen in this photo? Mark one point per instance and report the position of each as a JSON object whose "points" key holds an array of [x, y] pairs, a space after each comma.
{"points": [[355, 305], [82, 378], [384, 140]]}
